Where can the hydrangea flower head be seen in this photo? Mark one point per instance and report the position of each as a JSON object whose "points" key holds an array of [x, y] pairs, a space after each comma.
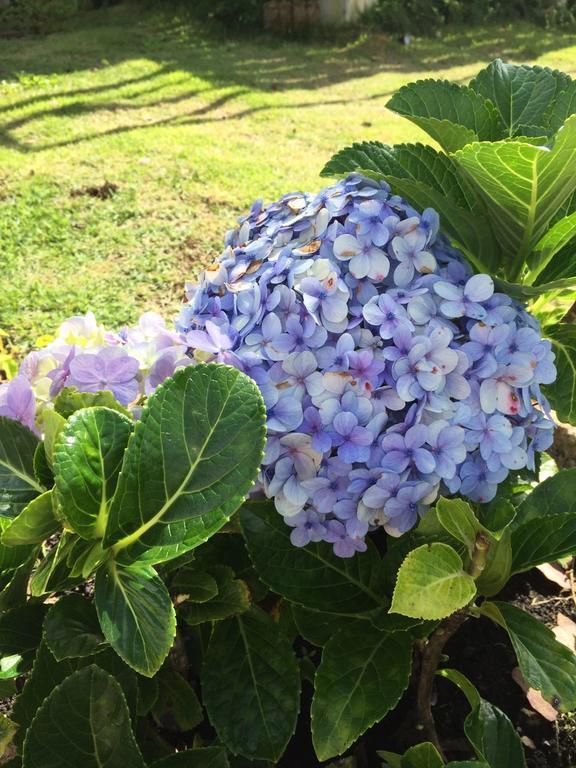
{"points": [[390, 372]]}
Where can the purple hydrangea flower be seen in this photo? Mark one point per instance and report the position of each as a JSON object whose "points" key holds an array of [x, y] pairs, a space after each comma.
{"points": [[110, 369]]}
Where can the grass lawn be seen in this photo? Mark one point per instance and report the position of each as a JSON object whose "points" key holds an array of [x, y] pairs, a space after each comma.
{"points": [[190, 129]]}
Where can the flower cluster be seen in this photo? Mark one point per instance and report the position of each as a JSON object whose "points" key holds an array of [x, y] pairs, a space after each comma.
{"points": [[390, 373], [130, 363]]}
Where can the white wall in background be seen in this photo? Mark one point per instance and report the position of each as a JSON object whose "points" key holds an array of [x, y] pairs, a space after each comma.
{"points": [[342, 11]]}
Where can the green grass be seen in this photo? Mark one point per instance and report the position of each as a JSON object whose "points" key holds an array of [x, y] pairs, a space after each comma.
{"points": [[191, 129]]}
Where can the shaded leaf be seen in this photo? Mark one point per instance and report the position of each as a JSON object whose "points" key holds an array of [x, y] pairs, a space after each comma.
{"points": [[422, 756], [205, 757], [21, 632], [176, 707], [83, 722], [311, 576], [232, 597], [362, 675], [547, 665], [251, 686], [71, 628], [18, 484]]}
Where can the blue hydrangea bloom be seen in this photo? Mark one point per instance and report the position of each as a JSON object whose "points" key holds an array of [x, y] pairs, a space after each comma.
{"points": [[391, 373]]}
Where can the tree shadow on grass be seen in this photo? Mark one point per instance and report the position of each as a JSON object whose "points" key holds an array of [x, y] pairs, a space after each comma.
{"points": [[266, 65]]}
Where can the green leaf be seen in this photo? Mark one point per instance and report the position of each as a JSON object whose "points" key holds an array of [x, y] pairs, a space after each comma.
{"points": [[318, 627], [428, 179], [545, 528], [136, 615], [85, 556], [18, 484], [251, 686], [84, 722], [53, 574], [556, 238], [14, 592], [362, 676], [311, 576], [523, 187], [232, 597], [42, 469], [34, 524], [196, 586], [206, 757], [498, 566], [87, 459], [21, 632], [457, 517], [70, 400], [51, 424], [12, 557], [177, 707], [452, 114], [422, 756], [547, 665], [181, 464], [71, 629], [562, 393], [497, 516], [521, 94], [46, 674], [432, 583], [488, 729]]}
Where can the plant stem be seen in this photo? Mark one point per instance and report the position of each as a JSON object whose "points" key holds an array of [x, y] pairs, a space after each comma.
{"points": [[432, 651], [431, 656]]}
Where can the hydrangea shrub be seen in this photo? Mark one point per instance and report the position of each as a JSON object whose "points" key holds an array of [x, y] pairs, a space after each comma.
{"points": [[397, 338]]}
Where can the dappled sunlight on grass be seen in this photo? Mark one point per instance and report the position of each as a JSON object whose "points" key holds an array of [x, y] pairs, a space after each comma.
{"points": [[190, 128]]}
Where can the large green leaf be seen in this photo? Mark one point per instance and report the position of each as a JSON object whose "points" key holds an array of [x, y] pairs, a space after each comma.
{"points": [[18, 484], [205, 757], [428, 179], [196, 586], [87, 459], [546, 526], [47, 673], [34, 524], [523, 95], [84, 722], [452, 114], [136, 615], [197, 446], [311, 576], [562, 393], [547, 665], [71, 628], [523, 187], [488, 729], [362, 675], [251, 686], [432, 583]]}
